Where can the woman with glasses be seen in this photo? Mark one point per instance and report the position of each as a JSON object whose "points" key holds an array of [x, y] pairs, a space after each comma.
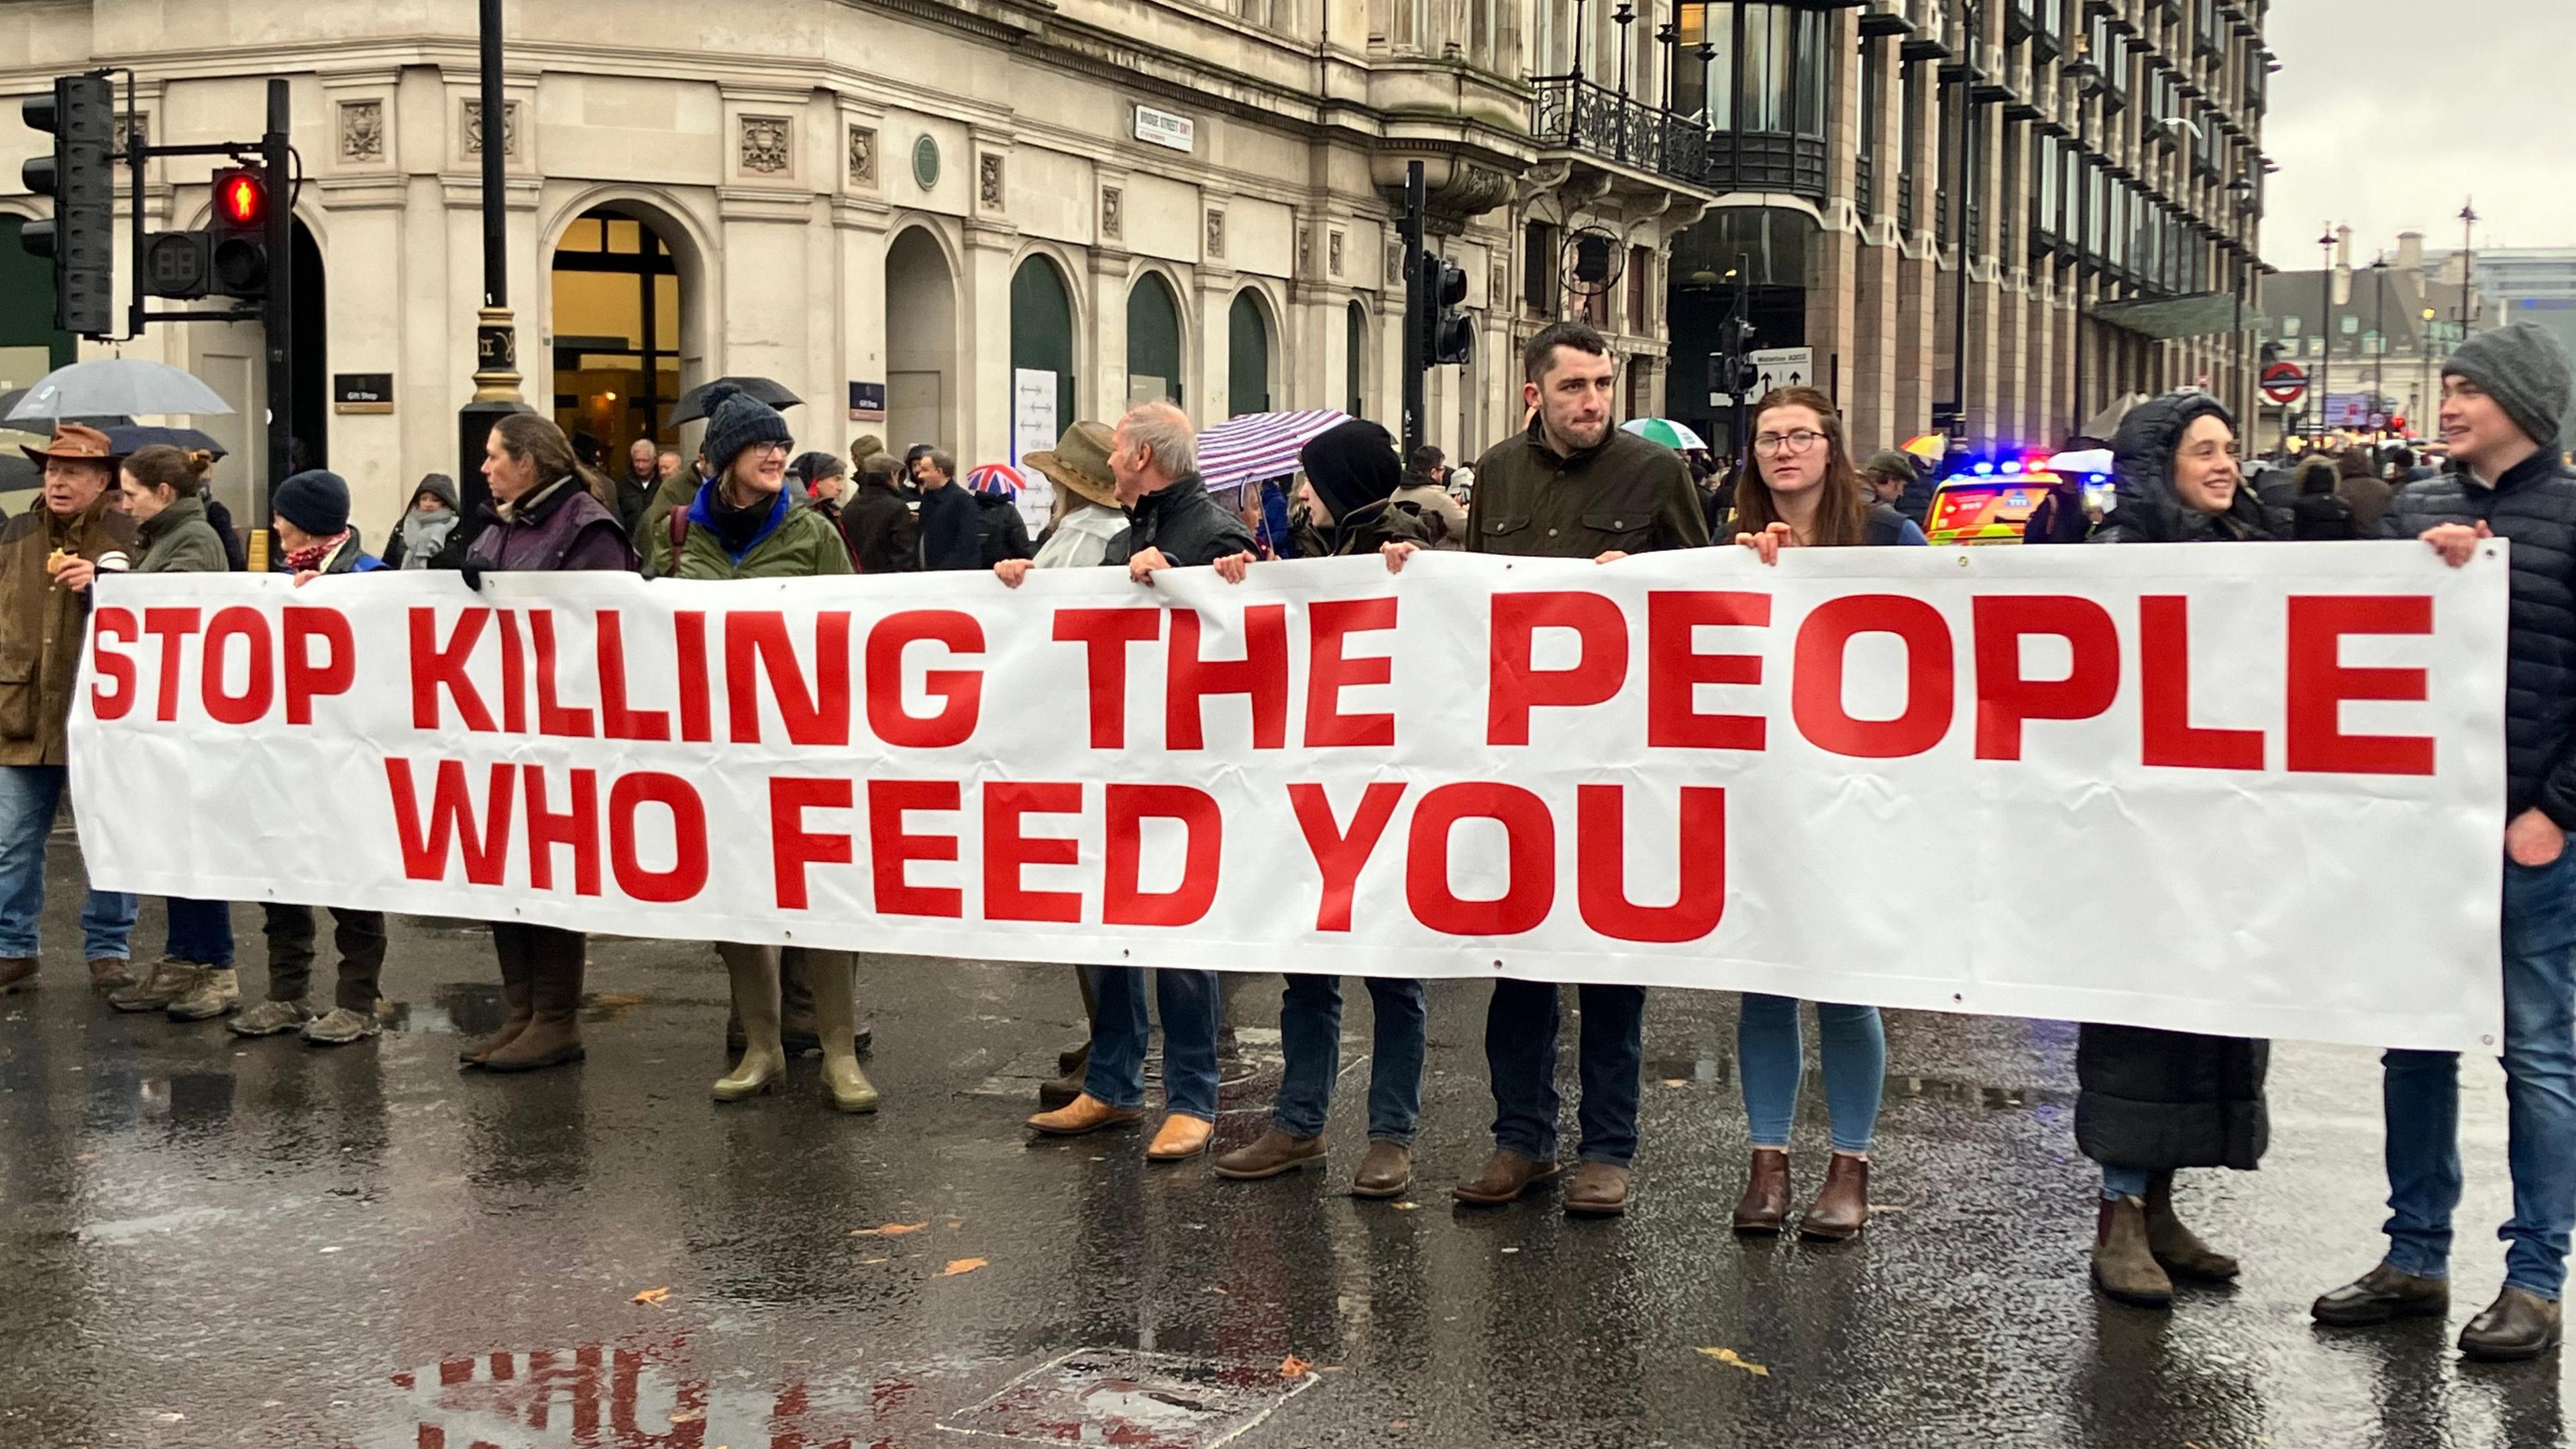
{"points": [[2153, 1101], [1801, 491], [744, 524]]}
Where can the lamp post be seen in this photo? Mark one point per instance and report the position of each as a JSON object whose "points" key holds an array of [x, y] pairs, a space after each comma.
{"points": [[496, 347], [2424, 368], [2379, 329], [1575, 71], [2088, 83], [2326, 325], [2468, 263], [1669, 35]]}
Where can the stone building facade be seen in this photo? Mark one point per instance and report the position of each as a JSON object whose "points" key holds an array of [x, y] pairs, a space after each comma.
{"points": [[973, 220]]}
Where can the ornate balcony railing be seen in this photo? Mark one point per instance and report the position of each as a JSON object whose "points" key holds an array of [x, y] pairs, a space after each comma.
{"points": [[1574, 114]]}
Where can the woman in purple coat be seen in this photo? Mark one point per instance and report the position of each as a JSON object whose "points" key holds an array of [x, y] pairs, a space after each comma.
{"points": [[547, 512]]}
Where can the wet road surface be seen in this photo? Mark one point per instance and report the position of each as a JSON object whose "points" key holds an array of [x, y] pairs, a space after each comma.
{"points": [[209, 1241]]}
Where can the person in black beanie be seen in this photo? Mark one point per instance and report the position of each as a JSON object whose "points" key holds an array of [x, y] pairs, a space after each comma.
{"points": [[1350, 507]]}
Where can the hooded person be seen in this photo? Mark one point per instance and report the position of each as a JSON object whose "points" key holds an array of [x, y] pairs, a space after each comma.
{"points": [[2318, 513], [745, 523], [2151, 1101], [2504, 394], [432, 533], [882, 534], [1352, 494], [998, 523]]}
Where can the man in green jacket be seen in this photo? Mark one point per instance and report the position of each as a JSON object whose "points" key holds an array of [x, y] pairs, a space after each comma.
{"points": [[1572, 486]]}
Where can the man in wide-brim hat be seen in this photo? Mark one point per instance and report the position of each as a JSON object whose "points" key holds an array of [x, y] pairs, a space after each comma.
{"points": [[48, 558], [1087, 520]]}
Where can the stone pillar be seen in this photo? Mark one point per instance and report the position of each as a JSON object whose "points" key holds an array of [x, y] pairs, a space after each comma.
{"points": [[1105, 366], [984, 315]]}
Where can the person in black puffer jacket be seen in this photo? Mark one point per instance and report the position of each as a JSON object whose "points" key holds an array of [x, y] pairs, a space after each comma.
{"points": [[2503, 394], [2317, 514], [2153, 1101]]}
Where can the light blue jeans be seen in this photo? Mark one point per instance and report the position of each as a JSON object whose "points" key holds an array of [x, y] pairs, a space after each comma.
{"points": [[2421, 1093], [29, 795], [1772, 1059]]}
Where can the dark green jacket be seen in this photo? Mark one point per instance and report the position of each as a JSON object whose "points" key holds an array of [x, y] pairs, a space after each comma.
{"points": [[794, 543], [1626, 494], [179, 540]]}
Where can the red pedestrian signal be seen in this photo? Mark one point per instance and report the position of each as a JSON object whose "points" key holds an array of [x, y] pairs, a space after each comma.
{"points": [[241, 200]]}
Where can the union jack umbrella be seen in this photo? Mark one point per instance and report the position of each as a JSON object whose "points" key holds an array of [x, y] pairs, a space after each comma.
{"points": [[999, 478], [1257, 446]]}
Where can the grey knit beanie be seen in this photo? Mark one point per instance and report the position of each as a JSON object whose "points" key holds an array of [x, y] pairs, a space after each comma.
{"points": [[735, 421], [2525, 370]]}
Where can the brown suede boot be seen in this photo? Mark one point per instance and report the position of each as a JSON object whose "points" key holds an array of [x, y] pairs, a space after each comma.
{"points": [[552, 1037], [514, 991], [1271, 1154], [2176, 1247], [1764, 1208], [1841, 1208], [2124, 1268]]}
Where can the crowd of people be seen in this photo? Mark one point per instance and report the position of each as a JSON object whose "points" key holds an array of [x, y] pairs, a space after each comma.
{"points": [[1129, 495]]}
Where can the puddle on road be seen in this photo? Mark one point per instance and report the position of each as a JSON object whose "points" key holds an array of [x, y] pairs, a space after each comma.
{"points": [[476, 1008], [602, 1397], [1131, 1398]]}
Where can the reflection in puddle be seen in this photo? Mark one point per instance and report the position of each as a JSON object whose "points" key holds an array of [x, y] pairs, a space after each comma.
{"points": [[597, 1397]]}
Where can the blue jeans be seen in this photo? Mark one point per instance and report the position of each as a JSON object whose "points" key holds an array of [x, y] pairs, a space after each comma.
{"points": [[1520, 1052], [1119, 1032], [2119, 1182], [29, 795], [2421, 1091], [201, 931], [1773, 1059], [1310, 1033]]}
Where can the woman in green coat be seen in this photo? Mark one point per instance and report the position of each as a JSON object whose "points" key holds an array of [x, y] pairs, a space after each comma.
{"points": [[743, 524]]}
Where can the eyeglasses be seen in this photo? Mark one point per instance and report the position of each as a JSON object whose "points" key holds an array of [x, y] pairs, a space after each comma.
{"points": [[765, 449], [1776, 443]]}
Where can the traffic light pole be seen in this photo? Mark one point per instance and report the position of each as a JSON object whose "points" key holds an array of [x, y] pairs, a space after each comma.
{"points": [[1416, 347], [277, 321], [496, 345]]}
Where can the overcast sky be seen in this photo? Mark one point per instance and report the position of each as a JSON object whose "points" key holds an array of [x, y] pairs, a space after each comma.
{"points": [[2388, 113]]}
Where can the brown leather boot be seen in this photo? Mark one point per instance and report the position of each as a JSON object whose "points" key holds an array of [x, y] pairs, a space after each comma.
{"points": [[1503, 1178], [515, 992], [1764, 1208], [2181, 1251], [19, 972], [1597, 1190], [1386, 1170], [106, 973], [1272, 1153], [1085, 1113], [553, 1034], [2124, 1268], [1841, 1208]]}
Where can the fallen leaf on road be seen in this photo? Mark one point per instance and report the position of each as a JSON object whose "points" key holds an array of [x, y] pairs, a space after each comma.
{"points": [[1676, 1082], [962, 1265], [1333, 1368], [1293, 1367], [872, 1262], [1729, 1357], [888, 1230], [1406, 1207], [651, 1295], [687, 1416], [956, 1223]]}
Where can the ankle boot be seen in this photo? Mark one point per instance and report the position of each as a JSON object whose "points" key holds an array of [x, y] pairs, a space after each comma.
{"points": [[2176, 1247], [2123, 1266], [552, 1037], [828, 974], [754, 970], [510, 946], [1841, 1208], [1765, 1205]]}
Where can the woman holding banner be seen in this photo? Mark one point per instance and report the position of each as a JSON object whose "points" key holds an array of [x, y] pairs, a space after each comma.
{"points": [[2154, 1101], [1801, 491], [545, 514], [744, 524]]}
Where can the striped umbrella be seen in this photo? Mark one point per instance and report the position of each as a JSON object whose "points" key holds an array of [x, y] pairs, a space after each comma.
{"points": [[1256, 446], [1671, 434], [999, 478]]}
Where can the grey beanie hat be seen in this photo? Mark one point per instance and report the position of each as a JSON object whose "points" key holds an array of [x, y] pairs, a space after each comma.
{"points": [[735, 421], [2525, 370]]}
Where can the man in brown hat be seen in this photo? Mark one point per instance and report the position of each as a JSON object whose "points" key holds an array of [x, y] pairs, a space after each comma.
{"points": [[48, 556], [1087, 520]]}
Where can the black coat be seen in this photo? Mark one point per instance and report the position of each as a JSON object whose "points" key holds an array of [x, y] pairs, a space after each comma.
{"points": [[2534, 505], [1005, 534], [2166, 1099], [952, 529], [1190, 528], [879, 528], [2322, 517]]}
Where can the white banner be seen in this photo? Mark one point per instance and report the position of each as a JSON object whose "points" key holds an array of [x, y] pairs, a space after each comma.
{"points": [[2253, 790]]}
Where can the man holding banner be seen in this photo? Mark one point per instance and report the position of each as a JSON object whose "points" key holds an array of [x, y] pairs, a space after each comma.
{"points": [[1571, 486], [2503, 394]]}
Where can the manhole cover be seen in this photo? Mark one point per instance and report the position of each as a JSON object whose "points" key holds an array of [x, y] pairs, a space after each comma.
{"points": [[1130, 1398]]}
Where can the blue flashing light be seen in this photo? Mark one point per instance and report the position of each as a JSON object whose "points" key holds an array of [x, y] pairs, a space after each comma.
{"points": [[2012, 466], [1983, 470]]}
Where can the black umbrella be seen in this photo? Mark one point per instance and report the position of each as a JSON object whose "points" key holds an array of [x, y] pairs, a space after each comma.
{"points": [[44, 427], [692, 405], [128, 439]]}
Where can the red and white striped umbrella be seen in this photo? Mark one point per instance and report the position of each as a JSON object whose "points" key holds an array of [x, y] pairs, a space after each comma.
{"points": [[1256, 446]]}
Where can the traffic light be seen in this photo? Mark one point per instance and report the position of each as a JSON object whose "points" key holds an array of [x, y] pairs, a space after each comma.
{"points": [[1731, 370], [80, 175], [1448, 335], [237, 241]]}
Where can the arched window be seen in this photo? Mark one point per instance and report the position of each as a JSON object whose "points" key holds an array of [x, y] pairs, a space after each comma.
{"points": [[1042, 338], [1153, 341], [1247, 370]]}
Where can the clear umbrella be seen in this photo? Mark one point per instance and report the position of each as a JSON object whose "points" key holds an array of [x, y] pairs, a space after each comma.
{"points": [[119, 385]]}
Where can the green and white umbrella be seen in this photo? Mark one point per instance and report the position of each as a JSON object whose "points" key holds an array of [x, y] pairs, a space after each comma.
{"points": [[1665, 431]]}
